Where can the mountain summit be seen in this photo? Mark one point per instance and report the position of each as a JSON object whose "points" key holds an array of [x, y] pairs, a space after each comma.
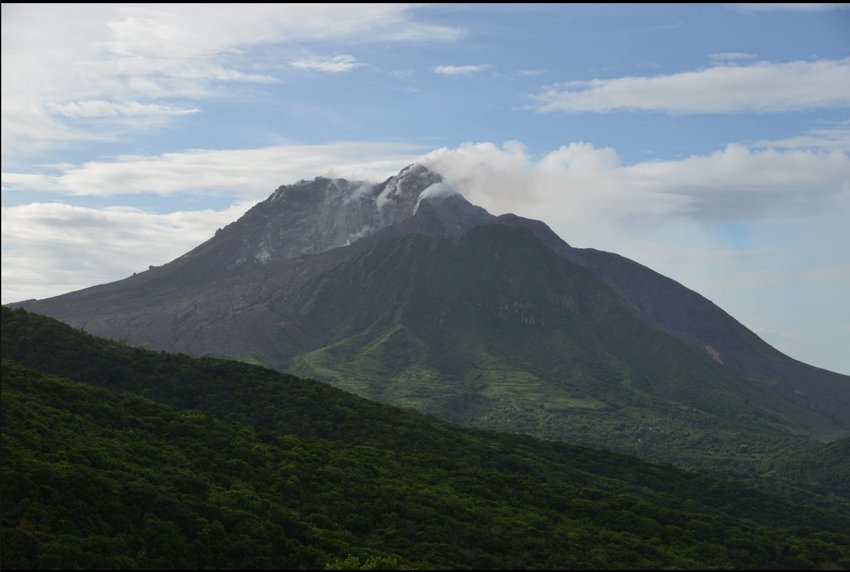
{"points": [[405, 292], [312, 217]]}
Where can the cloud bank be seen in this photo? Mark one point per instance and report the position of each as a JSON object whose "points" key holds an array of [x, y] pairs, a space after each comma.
{"points": [[52, 248], [250, 174], [106, 62], [579, 182], [327, 64], [761, 87], [461, 70]]}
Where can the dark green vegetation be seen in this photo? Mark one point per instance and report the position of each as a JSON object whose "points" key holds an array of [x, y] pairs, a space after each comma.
{"points": [[819, 476], [494, 329], [124, 458], [827, 467]]}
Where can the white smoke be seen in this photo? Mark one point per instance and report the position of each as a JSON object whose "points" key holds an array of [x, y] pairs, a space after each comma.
{"points": [[435, 191]]}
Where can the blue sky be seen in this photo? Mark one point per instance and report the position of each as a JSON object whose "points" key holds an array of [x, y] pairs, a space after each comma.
{"points": [[710, 142]]}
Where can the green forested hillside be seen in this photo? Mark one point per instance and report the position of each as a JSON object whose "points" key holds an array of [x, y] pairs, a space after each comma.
{"points": [[819, 476], [494, 329], [827, 467], [135, 459]]}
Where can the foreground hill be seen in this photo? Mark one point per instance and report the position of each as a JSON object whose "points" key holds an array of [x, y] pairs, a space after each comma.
{"points": [[123, 458]]}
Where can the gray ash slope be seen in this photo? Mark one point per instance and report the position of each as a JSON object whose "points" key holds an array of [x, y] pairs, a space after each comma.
{"points": [[231, 296]]}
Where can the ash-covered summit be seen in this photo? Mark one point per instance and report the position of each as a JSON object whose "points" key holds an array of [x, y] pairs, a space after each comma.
{"points": [[311, 217]]}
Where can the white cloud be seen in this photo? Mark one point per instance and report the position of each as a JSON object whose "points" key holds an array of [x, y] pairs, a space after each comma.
{"points": [[533, 72], [56, 56], [827, 138], [435, 191], [52, 248], [738, 183], [248, 173], [799, 7], [461, 70], [327, 64], [588, 188], [758, 87], [102, 108]]}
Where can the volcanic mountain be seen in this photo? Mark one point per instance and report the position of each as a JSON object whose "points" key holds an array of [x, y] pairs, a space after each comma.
{"points": [[406, 293]]}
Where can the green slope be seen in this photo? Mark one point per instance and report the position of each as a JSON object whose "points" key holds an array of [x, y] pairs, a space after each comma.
{"points": [[827, 467], [819, 476], [230, 465], [495, 330]]}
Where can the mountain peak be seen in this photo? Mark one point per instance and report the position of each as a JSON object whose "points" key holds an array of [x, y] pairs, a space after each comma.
{"points": [[401, 192], [311, 217], [418, 173]]}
